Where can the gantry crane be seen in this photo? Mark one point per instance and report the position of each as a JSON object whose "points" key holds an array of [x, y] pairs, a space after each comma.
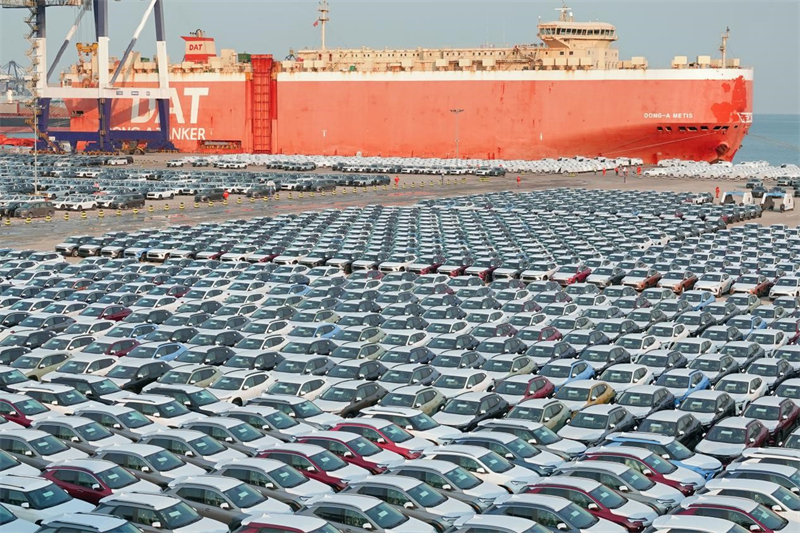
{"points": [[105, 91]]}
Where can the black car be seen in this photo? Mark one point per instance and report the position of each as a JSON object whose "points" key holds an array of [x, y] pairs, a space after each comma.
{"points": [[465, 411], [209, 195]]}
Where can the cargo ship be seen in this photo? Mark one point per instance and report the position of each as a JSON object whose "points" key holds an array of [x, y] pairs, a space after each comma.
{"points": [[568, 95]]}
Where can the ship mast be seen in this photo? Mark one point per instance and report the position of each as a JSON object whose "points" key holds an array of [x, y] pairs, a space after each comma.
{"points": [[566, 13], [323, 19], [724, 47]]}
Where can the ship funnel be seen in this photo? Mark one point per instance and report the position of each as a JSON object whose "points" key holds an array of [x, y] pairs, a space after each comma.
{"points": [[199, 48]]}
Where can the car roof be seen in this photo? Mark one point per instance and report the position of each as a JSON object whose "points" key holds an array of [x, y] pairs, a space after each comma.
{"points": [[691, 522], [728, 501], [93, 465], [581, 483], [100, 522], [403, 482], [218, 482], [553, 502], [23, 483], [155, 501], [756, 485], [601, 409]]}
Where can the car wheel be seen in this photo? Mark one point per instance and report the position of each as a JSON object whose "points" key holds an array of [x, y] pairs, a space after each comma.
{"points": [[50, 213], [74, 252], [237, 402]]}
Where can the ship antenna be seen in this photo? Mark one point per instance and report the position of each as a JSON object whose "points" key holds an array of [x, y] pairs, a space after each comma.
{"points": [[323, 18], [724, 46]]}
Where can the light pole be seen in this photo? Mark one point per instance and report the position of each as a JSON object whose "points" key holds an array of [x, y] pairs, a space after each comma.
{"points": [[456, 112]]}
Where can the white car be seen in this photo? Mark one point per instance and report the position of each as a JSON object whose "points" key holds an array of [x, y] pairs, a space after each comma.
{"points": [[623, 376], [486, 465], [668, 333], [81, 203], [717, 283], [743, 388], [638, 343], [454, 381], [35, 499], [785, 286], [239, 386]]}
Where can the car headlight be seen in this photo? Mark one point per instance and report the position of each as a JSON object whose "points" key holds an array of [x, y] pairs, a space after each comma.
{"points": [[518, 482]]}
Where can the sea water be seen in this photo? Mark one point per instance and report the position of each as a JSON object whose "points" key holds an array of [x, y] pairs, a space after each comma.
{"points": [[772, 138]]}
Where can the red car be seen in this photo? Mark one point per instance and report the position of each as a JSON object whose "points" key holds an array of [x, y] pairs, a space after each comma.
{"points": [[761, 288], [20, 409], [585, 492], [779, 415], [269, 524], [89, 480], [316, 463], [641, 460], [539, 387], [387, 435], [354, 449], [569, 274]]}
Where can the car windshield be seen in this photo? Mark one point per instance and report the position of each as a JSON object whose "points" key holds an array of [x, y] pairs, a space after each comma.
{"points": [[788, 390], [630, 343], [635, 399], [245, 432], [172, 409], [396, 434], [607, 497], [47, 497], [556, 371], [206, 446], [706, 365], [673, 382], [461, 407], [48, 445], [227, 383], [762, 412], [589, 421], [336, 394], [577, 517], [394, 399], [659, 465], [616, 376], [450, 382], [494, 365], [522, 448], [134, 419], [768, 518], [763, 369], [596, 356], [787, 498], [426, 495], [164, 461], [727, 434], [116, 477], [573, 394], [699, 405], [10, 377], [327, 462], [526, 413], [178, 516], [733, 387], [385, 516], [93, 431], [287, 477], [636, 480], [243, 496], [511, 388]]}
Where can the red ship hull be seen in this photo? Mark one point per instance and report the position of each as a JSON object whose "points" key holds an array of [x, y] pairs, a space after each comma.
{"points": [[697, 114]]}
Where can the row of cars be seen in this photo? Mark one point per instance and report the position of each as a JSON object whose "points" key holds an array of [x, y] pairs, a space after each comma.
{"points": [[364, 393]]}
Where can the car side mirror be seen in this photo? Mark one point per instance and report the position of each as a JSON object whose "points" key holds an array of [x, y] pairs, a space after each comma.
{"points": [[681, 433], [623, 488], [229, 439], [43, 365], [366, 525], [447, 486], [647, 472], [145, 469], [25, 505], [509, 456], [593, 507], [189, 453], [751, 440], [381, 440], [414, 381], [116, 426], [483, 411], [777, 508], [409, 505], [594, 398], [347, 454], [311, 469], [224, 506], [755, 527], [74, 439], [97, 487], [562, 526], [481, 470], [721, 410], [27, 453], [612, 426]]}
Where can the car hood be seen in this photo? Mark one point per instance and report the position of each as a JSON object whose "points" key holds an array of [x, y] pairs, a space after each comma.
{"points": [[719, 449], [139, 486], [21, 470], [386, 458], [72, 506], [704, 418], [573, 405], [217, 408], [225, 455], [206, 525], [310, 489], [512, 399], [663, 493], [570, 447], [350, 473], [604, 526], [178, 421], [638, 511], [263, 443], [451, 507], [434, 434], [181, 471], [113, 439], [581, 434], [324, 420], [331, 407], [684, 475], [638, 412], [412, 525], [453, 420]]}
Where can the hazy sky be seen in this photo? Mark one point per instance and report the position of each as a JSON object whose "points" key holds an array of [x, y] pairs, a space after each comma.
{"points": [[764, 33]]}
